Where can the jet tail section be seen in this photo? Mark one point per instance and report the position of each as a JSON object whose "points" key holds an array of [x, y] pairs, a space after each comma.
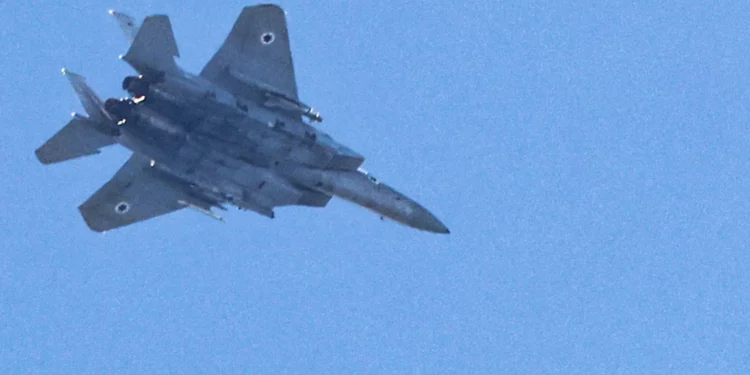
{"points": [[91, 102], [82, 136], [154, 47]]}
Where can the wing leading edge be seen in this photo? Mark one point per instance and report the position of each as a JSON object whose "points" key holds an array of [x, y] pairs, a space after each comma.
{"points": [[255, 54]]}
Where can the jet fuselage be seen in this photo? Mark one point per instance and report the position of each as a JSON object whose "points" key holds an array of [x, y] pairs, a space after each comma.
{"points": [[237, 161]]}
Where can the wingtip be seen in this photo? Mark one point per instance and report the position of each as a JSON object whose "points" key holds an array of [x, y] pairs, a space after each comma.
{"points": [[42, 156], [73, 77], [66, 72], [442, 231], [112, 12]]}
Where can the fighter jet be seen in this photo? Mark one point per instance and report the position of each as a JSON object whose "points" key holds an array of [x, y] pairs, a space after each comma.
{"points": [[234, 134]]}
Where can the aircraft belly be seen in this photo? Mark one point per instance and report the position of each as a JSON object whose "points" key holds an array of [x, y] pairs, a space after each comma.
{"points": [[147, 146], [311, 156], [246, 182], [254, 140], [222, 159]]}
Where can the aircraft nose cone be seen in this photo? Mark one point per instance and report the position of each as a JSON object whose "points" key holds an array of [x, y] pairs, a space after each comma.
{"points": [[435, 225], [423, 219]]}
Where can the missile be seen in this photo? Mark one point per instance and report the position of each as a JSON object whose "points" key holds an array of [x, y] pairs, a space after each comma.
{"points": [[275, 100], [202, 210], [278, 99]]}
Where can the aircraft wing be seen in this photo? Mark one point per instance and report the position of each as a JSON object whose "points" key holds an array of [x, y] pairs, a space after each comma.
{"points": [[135, 193], [91, 102], [255, 55]]}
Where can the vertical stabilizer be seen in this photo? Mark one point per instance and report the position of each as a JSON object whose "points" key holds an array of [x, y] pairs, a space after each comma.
{"points": [[154, 47], [91, 102], [82, 136], [127, 24]]}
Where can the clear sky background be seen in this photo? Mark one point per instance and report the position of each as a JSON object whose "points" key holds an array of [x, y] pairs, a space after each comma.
{"points": [[591, 161]]}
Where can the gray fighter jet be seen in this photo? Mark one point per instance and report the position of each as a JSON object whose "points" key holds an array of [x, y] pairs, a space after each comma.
{"points": [[234, 134]]}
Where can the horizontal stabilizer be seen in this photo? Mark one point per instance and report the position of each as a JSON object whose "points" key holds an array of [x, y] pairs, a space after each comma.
{"points": [[154, 47], [80, 137]]}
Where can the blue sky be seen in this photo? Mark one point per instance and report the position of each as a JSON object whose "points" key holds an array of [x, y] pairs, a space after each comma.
{"points": [[589, 159]]}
